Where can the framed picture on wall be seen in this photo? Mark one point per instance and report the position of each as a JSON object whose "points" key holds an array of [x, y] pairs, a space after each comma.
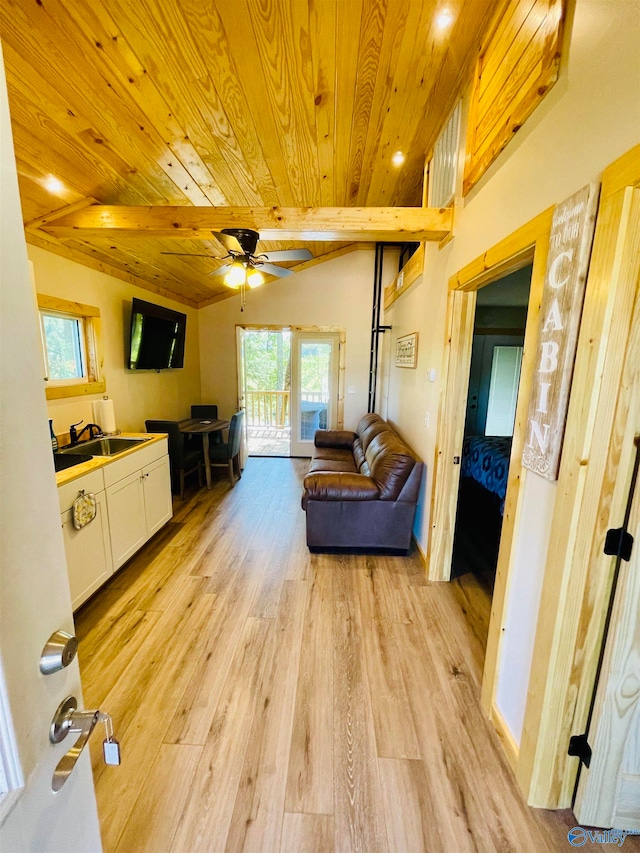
{"points": [[407, 350]]}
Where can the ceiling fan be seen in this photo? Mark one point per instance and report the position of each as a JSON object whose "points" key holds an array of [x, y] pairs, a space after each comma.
{"points": [[246, 267]]}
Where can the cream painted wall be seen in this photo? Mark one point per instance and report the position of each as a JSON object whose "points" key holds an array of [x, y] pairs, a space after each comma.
{"points": [[137, 395], [590, 118], [336, 293]]}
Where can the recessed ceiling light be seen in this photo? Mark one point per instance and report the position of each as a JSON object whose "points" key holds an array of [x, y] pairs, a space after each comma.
{"points": [[398, 158], [444, 19], [53, 185]]}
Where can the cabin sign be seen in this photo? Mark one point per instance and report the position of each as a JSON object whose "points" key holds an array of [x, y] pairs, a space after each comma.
{"points": [[569, 249]]}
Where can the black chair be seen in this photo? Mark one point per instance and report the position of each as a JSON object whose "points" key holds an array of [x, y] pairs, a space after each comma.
{"points": [[182, 460], [229, 453], [209, 411], [205, 411]]}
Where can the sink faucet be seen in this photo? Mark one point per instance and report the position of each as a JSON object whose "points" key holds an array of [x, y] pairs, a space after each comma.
{"points": [[75, 436]]}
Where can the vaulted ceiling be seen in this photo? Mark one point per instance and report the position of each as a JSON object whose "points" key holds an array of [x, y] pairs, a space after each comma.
{"points": [[250, 103]]}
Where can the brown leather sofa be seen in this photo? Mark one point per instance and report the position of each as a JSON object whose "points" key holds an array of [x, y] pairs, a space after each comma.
{"points": [[362, 488]]}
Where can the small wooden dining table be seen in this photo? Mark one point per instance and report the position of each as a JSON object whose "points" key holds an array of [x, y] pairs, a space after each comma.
{"points": [[203, 427]]}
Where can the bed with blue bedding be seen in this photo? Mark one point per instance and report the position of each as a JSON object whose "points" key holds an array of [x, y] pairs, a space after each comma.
{"points": [[485, 459]]}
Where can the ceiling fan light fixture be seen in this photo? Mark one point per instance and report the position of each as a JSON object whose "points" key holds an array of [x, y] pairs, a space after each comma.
{"points": [[236, 277], [255, 278]]}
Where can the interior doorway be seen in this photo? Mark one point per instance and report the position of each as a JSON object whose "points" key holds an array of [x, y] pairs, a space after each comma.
{"points": [[494, 380]]}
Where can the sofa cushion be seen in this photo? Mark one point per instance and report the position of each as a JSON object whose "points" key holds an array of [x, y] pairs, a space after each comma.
{"points": [[359, 457], [343, 438], [333, 454], [345, 465], [390, 462], [369, 427], [329, 486]]}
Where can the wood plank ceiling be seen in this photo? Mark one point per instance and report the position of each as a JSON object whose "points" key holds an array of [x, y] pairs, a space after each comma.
{"points": [[257, 103]]}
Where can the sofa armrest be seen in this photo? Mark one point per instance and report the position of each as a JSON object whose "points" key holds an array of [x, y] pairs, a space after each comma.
{"points": [[342, 438], [338, 486]]}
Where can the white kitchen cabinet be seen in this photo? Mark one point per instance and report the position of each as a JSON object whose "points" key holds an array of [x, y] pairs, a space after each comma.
{"points": [[138, 507], [135, 504], [88, 550], [127, 523], [158, 505]]}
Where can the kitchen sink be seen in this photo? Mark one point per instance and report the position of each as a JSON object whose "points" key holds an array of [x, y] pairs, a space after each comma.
{"points": [[103, 446], [61, 462]]}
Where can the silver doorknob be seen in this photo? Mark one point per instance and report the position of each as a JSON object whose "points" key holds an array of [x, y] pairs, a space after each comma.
{"points": [[67, 719]]}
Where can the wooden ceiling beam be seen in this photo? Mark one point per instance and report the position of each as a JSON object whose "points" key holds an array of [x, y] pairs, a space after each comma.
{"points": [[349, 224]]}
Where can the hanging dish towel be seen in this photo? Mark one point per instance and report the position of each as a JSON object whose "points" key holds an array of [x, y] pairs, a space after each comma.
{"points": [[84, 509]]}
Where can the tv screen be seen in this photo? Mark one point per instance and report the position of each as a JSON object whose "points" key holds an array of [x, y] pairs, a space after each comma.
{"points": [[157, 337]]}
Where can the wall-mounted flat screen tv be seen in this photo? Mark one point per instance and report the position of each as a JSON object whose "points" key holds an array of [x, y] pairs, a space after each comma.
{"points": [[157, 337]]}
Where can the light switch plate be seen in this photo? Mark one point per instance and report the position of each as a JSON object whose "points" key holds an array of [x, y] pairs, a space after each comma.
{"points": [[351, 389]]}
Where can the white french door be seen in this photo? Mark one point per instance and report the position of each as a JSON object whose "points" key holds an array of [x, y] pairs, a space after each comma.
{"points": [[315, 358]]}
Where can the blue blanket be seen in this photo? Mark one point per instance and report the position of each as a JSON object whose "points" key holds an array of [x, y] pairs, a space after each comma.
{"points": [[486, 460]]}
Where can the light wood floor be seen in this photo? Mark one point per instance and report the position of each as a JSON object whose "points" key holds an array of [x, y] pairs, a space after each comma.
{"points": [[268, 700]]}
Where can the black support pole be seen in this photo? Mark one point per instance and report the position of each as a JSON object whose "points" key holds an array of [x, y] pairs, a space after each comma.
{"points": [[375, 325], [406, 251]]}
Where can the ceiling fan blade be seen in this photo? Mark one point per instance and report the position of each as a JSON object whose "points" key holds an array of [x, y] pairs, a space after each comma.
{"points": [[190, 255], [272, 269], [221, 270], [230, 243], [290, 255]]}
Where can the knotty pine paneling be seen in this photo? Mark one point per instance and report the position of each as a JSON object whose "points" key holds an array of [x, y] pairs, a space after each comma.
{"points": [[251, 104], [517, 67]]}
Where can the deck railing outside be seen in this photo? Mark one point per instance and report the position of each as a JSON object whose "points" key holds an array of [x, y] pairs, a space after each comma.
{"points": [[272, 408], [267, 408]]}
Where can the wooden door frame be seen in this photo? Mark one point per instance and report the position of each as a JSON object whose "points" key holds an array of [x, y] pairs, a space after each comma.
{"points": [[576, 584], [529, 244], [577, 581]]}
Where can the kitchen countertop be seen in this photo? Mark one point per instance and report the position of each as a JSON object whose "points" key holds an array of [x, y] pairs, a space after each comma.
{"points": [[69, 474]]}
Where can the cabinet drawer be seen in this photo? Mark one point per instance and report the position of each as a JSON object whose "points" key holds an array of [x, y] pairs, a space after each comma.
{"points": [[135, 461], [91, 482]]}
